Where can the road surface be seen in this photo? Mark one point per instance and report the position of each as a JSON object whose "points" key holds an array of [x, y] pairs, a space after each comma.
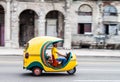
{"points": [[90, 69]]}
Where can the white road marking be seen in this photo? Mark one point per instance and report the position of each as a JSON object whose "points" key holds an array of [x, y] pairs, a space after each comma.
{"points": [[10, 62], [99, 70], [96, 80]]}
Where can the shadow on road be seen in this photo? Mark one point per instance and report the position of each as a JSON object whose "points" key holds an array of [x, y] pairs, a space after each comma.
{"points": [[46, 74]]}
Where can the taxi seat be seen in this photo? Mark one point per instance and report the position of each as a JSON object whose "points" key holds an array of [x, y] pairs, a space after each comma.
{"points": [[55, 63]]}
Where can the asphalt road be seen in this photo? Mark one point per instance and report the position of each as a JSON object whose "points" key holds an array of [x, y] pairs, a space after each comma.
{"points": [[90, 69]]}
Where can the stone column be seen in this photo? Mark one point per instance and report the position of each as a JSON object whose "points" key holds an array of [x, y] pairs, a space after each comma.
{"points": [[97, 19], [7, 25], [67, 28], [15, 33], [100, 19], [67, 35], [15, 25], [41, 24]]}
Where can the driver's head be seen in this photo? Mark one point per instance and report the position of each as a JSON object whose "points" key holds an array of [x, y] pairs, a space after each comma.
{"points": [[55, 44]]}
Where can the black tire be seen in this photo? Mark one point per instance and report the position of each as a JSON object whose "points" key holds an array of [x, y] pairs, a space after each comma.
{"points": [[37, 71], [72, 71]]}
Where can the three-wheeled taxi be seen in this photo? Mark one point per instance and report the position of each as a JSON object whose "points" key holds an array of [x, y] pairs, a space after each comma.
{"points": [[37, 60]]}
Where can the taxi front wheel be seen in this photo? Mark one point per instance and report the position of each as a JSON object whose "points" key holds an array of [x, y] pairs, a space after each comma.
{"points": [[72, 71], [37, 71]]}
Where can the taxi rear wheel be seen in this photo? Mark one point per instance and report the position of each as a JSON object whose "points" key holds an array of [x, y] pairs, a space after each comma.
{"points": [[37, 71], [72, 71]]}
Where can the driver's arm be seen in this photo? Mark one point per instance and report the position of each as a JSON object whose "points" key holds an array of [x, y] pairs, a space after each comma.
{"points": [[60, 54]]}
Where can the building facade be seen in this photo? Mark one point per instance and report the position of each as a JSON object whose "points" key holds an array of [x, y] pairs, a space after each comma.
{"points": [[81, 23]]}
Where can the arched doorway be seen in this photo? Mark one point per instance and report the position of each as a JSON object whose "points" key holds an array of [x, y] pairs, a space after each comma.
{"points": [[27, 26], [54, 24], [2, 14]]}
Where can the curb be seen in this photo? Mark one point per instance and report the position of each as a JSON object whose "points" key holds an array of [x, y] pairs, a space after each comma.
{"points": [[78, 52]]}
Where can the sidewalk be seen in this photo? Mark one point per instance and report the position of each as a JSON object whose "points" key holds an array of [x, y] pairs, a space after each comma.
{"points": [[97, 52], [10, 51], [78, 52]]}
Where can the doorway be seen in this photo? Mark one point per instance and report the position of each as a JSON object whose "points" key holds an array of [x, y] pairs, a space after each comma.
{"points": [[27, 26], [54, 24], [1, 26]]}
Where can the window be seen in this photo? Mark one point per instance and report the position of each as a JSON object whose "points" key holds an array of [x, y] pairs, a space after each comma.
{"points": [[110, 11], [119, 28], [53, 0], [106, 29], [84, 13], [85, 10], [84, 28], [111, 29]]}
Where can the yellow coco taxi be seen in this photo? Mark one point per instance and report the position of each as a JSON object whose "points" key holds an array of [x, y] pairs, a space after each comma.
{"points": [[37, 60]]}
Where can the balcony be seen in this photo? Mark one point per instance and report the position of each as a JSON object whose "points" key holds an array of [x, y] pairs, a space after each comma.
{"points": [[81, 41], [40, 0], [85, 19], [54, 0], [110, 18]]}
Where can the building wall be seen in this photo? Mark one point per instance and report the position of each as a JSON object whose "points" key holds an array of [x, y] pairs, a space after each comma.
{"points": [[70, 10]]}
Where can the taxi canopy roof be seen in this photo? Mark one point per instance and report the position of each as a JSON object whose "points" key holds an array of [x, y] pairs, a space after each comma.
{"points": [[36, 45], [43, 39]]}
